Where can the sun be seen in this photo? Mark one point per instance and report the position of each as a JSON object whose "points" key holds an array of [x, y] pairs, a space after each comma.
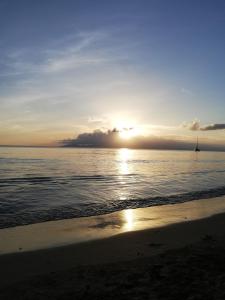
{"points": [[127, 133], [127, 129]]}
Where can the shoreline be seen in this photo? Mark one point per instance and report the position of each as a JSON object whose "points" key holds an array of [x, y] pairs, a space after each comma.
{"points": [[144, 242], [97, 269], [121, 205], [67, 232]]}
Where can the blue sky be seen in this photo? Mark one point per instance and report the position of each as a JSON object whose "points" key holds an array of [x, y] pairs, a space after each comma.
{"points": [[68, 67]]}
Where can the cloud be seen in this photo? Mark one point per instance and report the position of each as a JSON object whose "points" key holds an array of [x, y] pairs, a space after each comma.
{"points": [[194, 125], [81, 69], [77, 51], [112, 139], [213, 127], [98, 138]]}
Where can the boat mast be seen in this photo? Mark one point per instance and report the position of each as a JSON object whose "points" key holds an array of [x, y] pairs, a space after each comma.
{"points": [[196, 147]]}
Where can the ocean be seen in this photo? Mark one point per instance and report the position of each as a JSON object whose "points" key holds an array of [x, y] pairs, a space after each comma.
{"points": [[42, 184]]}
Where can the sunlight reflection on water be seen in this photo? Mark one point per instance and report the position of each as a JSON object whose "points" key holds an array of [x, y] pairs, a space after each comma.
{"points": [[123, 156]]}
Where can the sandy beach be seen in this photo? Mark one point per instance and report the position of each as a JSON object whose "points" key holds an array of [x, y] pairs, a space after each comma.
{"points": [[176, 260]]}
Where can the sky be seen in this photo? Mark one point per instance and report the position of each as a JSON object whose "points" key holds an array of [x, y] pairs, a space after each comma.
{"points": [[69, 67]]}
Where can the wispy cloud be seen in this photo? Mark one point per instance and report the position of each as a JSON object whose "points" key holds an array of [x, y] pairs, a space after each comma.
{"points": [[62, 69], [78, 50], [76, 55], [63, 82]]}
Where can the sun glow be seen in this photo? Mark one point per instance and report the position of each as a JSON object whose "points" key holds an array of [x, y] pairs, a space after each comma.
{"points": [[127, 129], [127, 133]]}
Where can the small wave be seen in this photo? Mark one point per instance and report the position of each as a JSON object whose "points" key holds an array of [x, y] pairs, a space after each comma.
{"points": [[22, 160], [17, 180], [203, 172], [60, 179], [10, 219]]}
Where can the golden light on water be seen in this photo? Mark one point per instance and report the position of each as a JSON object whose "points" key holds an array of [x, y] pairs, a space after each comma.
{"points": [[124, 155]]}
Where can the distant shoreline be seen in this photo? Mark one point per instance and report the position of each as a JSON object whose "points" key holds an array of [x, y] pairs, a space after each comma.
{"points": [[95, 147]]}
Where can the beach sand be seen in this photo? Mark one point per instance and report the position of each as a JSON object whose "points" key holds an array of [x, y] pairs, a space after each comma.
{"points": [[180, 260]]}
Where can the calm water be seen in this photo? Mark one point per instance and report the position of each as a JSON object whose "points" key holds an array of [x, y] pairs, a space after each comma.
{"points": [[39, 184]]}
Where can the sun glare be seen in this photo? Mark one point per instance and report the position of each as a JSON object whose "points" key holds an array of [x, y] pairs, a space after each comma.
{"points": [[127, 130], [127, 133]]}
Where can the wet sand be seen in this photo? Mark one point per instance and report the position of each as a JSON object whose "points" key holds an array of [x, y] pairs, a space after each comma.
{"points": [[184, 260], [73, 231]]}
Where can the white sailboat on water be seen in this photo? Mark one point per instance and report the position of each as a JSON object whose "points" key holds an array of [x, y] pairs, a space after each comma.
{"points": [[197, 149]]}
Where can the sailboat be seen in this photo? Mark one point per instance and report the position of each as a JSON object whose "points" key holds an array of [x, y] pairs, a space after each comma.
{"points": [[196, 147]]}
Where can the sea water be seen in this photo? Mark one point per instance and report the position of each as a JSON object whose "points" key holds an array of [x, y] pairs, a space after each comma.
{"points": [[41, 184]]}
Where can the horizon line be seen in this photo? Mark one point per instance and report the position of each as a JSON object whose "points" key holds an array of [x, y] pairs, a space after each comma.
{"points": [[102, 147]]}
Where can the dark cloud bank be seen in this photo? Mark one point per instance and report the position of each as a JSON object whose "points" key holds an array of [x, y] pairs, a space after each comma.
{"points": [[111, 139], [213, 127], [195, 126]]}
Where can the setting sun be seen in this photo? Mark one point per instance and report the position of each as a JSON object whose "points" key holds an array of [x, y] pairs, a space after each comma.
{"points": [[127, 133], [127, 129]]}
